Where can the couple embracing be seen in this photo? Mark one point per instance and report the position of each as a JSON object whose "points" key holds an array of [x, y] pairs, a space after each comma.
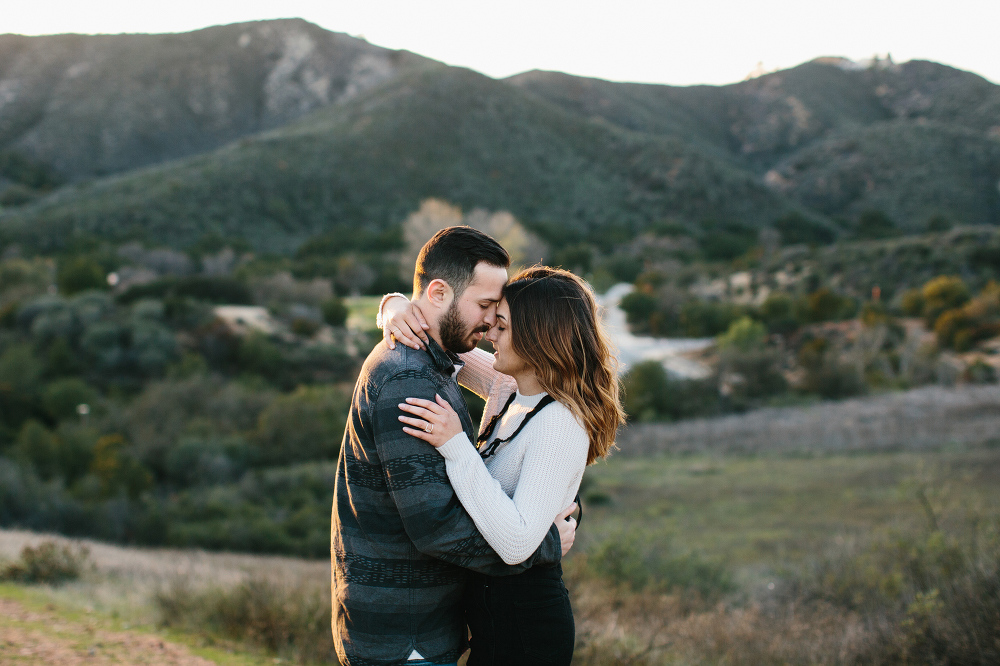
{"points": [[441, 529]]}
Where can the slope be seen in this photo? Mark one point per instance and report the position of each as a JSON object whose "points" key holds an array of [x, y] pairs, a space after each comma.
{"points": [[441, 132]]}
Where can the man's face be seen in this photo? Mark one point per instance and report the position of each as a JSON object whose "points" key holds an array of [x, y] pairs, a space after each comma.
{"points": [[475, 311]]}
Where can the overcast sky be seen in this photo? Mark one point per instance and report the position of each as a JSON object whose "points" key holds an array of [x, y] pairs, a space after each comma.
{"points": [[666, 41]]}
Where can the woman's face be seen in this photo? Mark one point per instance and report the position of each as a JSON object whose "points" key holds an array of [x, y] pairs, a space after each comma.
{"points": [[505, 359]]}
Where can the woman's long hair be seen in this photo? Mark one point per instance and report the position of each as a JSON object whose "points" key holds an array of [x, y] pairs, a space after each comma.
{"points": [[555, 328]]}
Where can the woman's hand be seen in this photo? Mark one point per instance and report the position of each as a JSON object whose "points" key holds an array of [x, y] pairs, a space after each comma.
{"points": [[566, 524], [403, 321], [437, 422]]}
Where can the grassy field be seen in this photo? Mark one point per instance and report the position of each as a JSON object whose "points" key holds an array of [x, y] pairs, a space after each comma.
{"points": [[680, 560]]}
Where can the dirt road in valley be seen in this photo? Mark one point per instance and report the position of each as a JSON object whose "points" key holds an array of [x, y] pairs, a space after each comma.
{"points": [[43, 637]]}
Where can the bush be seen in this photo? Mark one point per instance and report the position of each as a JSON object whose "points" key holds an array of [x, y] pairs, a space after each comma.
{"points": [[797, 228], [941, 294], [305, 425], [80, 274], [62, 397], [650, 394], [335, 312], [293, 622], [636, 562], [47, 563], [743, 335]]}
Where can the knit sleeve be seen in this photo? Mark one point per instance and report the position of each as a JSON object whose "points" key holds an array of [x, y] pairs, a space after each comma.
{"points": [[479, 376], [551, 468]]}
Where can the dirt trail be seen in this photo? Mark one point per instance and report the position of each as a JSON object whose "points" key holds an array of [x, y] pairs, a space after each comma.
{"points": [[40, 637]]}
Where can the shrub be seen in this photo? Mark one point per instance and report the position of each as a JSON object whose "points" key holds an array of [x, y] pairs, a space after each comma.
{"points": [[941, 294], [778, 313], [79, 274], [797, 228], [743, 335], [650, 394], [825, 305], [62, 397], [291, 621], [305, 425], [47, 563], [335, 312], [637, 562]]}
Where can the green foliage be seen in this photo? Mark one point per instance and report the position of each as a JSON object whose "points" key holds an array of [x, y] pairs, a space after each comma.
{"points": [[825, 305], [307, 424], [743, 335], [978, 319], [80, 274], [20, 370], [825, 373], [700, 319], [634, 561], [290, 621], [117, 470], [62, 397], [212, 289], [47, 563], [335, 312], [638, 306], [943, 293], [796, 228], [778, 313], [726, 241], [650, 394], [875, 225], [28, 172]]}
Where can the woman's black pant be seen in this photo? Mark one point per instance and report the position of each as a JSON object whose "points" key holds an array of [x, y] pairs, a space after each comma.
{"points": [[524, 619]]}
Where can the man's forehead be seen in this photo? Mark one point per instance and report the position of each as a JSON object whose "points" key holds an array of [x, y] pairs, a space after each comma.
{"points": [[487, 282]]}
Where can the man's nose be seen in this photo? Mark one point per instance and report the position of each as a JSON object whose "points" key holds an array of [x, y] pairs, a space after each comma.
{"points": [[490, 316]]}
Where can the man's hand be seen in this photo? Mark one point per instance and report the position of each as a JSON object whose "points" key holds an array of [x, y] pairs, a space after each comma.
{"points": [[567, 528]]}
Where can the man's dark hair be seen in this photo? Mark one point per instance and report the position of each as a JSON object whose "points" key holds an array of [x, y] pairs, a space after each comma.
{"points": [[452, 255]]}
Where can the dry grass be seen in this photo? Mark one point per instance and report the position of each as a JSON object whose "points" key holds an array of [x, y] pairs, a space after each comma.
{"points": [[921, 419]]}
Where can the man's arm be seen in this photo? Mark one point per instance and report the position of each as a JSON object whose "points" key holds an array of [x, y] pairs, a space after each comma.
{"points": [[417, 480]]}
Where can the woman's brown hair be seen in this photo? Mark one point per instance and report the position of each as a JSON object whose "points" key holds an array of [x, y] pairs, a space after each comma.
{"points": [[555, 328]]}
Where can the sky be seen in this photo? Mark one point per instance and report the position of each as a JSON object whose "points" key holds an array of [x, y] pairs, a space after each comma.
{"points": [[667, 41]]}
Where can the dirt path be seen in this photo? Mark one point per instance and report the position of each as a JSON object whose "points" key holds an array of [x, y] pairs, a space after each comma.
{"points": [[44, 637]]}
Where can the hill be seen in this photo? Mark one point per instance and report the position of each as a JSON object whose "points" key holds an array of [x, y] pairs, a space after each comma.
{"points": [[444, 132], [914, 140], [278, 131], [90, 105]]}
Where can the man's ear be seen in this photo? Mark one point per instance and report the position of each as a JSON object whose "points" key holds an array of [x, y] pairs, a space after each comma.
{"points": [[440, 293]]}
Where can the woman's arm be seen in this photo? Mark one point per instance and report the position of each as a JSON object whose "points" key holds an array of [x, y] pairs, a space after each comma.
{"points": [[401, 320], [479, 376], [553, 464]]}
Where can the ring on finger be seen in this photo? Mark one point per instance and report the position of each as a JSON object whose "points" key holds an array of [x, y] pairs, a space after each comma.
{"points": [[429, 428]]}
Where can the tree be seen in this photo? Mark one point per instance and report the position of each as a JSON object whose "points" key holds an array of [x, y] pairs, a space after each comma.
{"points": [[875, 225], [79, 274], [943, 293]]}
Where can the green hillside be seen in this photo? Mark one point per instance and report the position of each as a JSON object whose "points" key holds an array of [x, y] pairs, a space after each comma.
{"points": [[441, 132], [280, 131]]}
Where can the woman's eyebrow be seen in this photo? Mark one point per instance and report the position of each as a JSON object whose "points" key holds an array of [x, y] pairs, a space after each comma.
{"points": [[500, 316]]}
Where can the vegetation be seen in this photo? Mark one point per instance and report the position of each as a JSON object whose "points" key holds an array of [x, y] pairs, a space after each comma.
{"points": [[48, 562], [716, 557]]}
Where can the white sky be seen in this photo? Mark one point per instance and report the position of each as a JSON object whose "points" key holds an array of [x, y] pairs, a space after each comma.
{"points": [[667, 41]]}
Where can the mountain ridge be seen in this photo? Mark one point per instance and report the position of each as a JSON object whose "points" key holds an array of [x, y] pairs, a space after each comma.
{"points": [[575, 158]]}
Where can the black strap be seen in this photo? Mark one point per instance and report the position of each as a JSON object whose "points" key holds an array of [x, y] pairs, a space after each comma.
{"points": [[491, 448], [579, 505]]}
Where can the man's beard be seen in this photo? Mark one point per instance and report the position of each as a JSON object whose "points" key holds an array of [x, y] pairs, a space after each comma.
{"points": [[455, 333]]}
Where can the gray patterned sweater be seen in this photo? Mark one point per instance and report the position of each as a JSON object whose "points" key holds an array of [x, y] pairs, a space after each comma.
{"points": [[401, 542]]}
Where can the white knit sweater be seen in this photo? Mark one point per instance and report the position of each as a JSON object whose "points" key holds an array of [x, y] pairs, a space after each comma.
{"points": [[515, 495]]}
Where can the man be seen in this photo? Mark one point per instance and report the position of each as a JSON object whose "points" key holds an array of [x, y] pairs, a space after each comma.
{"points": [[400, 539]]}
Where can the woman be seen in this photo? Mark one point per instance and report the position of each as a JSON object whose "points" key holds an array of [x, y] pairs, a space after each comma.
{"points": [[552, 408]]}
